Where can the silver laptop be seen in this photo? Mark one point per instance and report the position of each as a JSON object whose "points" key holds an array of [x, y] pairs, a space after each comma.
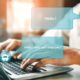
{"points": [[14, 71]]}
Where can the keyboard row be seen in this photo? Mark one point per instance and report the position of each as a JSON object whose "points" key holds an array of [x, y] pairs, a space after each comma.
{"points": [[14, 67]]}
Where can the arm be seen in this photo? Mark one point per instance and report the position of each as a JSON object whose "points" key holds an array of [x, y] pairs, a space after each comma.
{"points": [[11, 44], [71, 56]]}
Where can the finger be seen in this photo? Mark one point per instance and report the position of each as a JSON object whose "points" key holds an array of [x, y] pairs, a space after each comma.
{"points": [[4, 44], [1, 47], [15, 56], [26, 63], [23, 61], [19, 56], [11, 46]]}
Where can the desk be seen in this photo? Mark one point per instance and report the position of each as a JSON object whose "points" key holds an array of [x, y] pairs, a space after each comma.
{"points": [[73, 75]]}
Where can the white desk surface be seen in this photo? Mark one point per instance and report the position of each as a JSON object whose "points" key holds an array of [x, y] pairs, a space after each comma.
{"points": [[73, 75]]}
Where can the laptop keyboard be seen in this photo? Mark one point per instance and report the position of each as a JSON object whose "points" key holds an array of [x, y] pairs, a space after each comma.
{"points": [[14, 67]]}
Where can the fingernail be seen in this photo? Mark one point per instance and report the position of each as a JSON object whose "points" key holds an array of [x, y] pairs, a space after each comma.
{"points": [[34, 63], [21, 66]]}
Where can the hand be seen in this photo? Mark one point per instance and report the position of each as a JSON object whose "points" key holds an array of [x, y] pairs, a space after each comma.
{"points": [[71, 56], [26, 62], [9, 45]]}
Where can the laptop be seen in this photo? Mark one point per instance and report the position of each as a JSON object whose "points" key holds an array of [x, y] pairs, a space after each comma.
{"points": [[12, 68]]}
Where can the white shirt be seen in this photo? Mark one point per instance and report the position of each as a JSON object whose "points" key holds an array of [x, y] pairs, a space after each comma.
{"points": [[71, 37]]}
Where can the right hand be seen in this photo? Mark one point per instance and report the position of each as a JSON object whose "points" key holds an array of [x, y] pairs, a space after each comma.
{"points": [[71, 56], [10, 45]]}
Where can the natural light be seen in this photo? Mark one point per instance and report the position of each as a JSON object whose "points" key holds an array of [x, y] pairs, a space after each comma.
{"points": [[19, 16]]}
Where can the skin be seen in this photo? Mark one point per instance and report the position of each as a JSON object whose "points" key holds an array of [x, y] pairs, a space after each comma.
{"points": [[71, 55]]}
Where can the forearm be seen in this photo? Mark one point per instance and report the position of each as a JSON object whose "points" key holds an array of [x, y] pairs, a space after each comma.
{"points": [[71, 56]]}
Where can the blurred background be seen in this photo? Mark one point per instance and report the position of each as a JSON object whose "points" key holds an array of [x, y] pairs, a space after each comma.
{"points": [[15, 16]]}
